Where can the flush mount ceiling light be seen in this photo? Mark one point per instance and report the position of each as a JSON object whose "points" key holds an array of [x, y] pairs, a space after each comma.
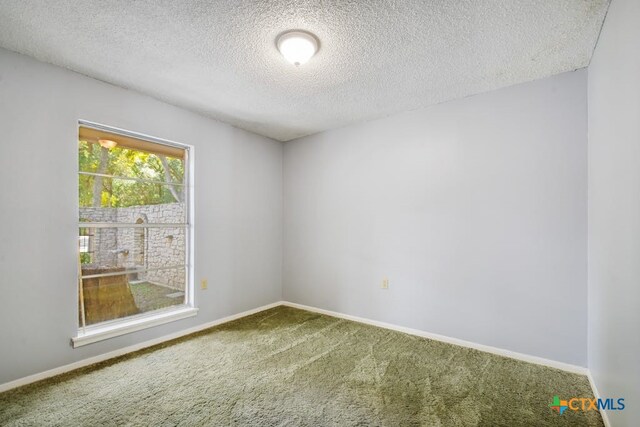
{"points": [[297, 46], [107, 143]]}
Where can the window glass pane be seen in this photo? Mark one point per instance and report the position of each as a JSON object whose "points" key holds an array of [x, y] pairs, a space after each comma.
{"points": [[128, 162], [123, 196], [121, 295], [135, 248]]}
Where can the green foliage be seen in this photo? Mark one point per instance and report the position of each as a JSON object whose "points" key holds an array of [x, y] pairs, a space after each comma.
{"points": [[125, 162], [85, 258]]}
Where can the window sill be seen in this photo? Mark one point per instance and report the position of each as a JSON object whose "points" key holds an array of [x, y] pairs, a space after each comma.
{"points": [[106, 331]]}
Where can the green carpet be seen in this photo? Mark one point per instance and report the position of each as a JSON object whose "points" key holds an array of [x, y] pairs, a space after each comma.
{"points": [[288, 367]]}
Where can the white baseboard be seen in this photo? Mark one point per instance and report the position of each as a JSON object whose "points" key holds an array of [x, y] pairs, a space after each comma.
{"points": [[596, 394], [122, 351], [486, 348], [481, 347]]}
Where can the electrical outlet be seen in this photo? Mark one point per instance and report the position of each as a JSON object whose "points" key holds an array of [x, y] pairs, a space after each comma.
{"points": [[385, 283], [203, 284]]}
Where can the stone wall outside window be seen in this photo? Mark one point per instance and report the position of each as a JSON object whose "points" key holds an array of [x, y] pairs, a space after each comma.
{"points": [[128, 247]]}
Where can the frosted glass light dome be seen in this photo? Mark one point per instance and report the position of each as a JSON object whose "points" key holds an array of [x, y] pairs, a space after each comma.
{"points": [[297, 47]]}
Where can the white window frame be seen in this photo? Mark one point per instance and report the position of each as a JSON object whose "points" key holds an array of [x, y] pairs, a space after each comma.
{"points": [[105, 330]]}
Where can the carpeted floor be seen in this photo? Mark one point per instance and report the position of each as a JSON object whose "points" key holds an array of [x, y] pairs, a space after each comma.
{"points": [[288, 367]]}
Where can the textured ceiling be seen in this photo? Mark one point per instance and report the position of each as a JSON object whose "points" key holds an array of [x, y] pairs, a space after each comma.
{"points": [[376, 57]]}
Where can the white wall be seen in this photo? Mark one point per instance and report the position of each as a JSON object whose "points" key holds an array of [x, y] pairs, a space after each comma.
{"points": [[614, 210], [474, 209], [238, 197]]}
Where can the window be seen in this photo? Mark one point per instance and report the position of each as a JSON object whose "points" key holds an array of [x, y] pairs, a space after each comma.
{"points": [[134, 232]]}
